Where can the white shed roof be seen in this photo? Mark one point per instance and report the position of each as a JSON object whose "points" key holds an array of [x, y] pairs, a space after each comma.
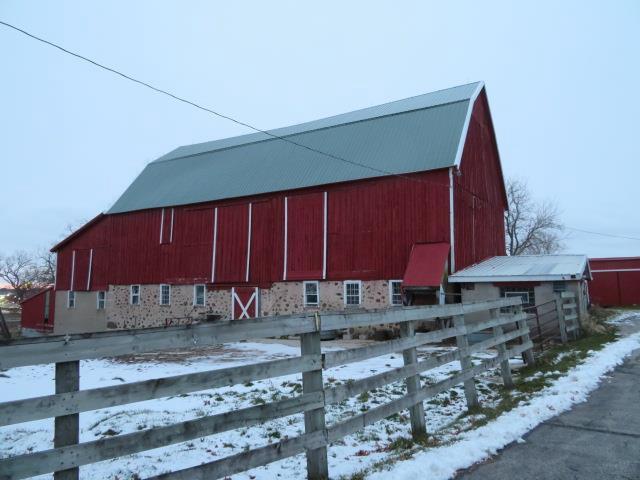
{"points": [[525, 268]]}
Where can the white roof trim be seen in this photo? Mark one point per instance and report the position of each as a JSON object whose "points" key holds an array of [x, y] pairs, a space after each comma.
{"points": [[467, 120], [514, 278]]}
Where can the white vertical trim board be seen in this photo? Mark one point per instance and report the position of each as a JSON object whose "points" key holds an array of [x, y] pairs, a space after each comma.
{"points": [[324, 233], [73, 268], [246, 276], [171, 228], [467, 120], [284, 274], [215, 241], [451, 222], [161, 225], [90, 267]]}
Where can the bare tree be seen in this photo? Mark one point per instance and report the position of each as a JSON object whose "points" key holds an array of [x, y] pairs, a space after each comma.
{"points": [[531, 227], [20, 272], [46, 266]]}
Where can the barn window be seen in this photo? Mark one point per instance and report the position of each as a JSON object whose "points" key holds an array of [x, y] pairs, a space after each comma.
{"points": [[134, 294], [352, 292], [559, 287], [311, 294], [526, 293], [71, 299], [101, 298], [199, 295], [46, 306], [395, 292], [165, 294]]}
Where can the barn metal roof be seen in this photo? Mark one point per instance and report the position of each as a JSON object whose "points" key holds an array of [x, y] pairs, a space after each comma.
{"points": [[416, 134], [525, 268]]}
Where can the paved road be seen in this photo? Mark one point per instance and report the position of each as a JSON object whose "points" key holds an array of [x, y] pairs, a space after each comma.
{"points": [[599, 439]]}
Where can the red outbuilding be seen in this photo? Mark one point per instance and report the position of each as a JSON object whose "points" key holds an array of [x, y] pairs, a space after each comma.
{"points": [[37, 311], [616, 281], [322, 215]]}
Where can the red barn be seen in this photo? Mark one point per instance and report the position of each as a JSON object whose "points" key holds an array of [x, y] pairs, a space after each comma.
{"points": [[325, 217], [616, 281]]}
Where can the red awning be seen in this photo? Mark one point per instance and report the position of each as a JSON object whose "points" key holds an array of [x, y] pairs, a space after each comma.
{"points": [[427, 264]]}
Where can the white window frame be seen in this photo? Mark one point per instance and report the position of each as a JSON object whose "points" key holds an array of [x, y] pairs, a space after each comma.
{"points": [[352, 282], [304, 293], [160, 297], [391, 283], [138, 295], [517, 294], [195, 295], [71, 299], [102, 300]]}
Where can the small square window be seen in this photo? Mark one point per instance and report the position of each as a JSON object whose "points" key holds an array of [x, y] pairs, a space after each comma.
{"points": [[134, 295], [311, 294], [352, 293], [559, 287], [199, 295], [165, 294], [71, 299], [101, 299], [395, 292]]}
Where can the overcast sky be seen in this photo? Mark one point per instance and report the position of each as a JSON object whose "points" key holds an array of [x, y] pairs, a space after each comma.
{"points": [[562, 80]]}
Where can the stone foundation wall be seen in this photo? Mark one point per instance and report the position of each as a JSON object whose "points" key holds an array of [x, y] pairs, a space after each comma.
{"points": [[283, 298]]}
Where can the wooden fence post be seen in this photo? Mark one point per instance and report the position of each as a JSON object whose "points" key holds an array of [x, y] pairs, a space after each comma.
{"points": [[466, 363], [67, 427], [502, 350], [317, 464], [561, 323], [527, 354], [418, 424]]}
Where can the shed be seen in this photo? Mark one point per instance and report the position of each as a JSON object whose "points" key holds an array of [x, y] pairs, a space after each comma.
{"points": [[535, 278]]}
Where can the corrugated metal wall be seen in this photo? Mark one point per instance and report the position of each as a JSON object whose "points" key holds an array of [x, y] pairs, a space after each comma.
{"points": [[480, 200], [616, 281]]}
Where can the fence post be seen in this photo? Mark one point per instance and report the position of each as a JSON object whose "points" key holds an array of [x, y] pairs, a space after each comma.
{"points": [[466, 363], [67, 427], [527, 354], [418, 424], [561, 323], [317, 465], [502, 351]]}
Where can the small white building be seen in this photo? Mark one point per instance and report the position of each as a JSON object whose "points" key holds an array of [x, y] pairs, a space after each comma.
{"points": [[538, 279]]}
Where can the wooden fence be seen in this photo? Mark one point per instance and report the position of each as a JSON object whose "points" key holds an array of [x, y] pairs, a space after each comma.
{"points": [[69, 401]]}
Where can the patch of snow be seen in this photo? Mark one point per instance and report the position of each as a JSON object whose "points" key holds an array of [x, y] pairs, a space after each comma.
{"points": [[480, 444], [624, 317]]}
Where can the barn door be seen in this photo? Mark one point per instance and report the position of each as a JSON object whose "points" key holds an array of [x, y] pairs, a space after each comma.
{"points": [[244, 302]]}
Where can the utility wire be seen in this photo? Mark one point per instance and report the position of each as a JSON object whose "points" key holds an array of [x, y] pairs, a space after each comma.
{"points": [[218, 114], [603, 234]]}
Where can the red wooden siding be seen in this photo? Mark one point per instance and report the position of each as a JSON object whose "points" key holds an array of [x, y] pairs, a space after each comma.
{"points": [[267, 232], [616, 281], [479, 198], [35, 314], [231, 243], [81, 269], [305, 236]]}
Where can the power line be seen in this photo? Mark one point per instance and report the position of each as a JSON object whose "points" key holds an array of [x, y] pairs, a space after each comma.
{"points": [[218, 114], [603, 234]]}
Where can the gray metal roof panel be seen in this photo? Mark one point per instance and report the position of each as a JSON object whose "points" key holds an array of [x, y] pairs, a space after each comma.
{"points": [[417, 134], [525, 267]]}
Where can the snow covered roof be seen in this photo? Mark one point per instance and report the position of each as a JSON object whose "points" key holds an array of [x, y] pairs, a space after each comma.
{"points": [[525, 268]]}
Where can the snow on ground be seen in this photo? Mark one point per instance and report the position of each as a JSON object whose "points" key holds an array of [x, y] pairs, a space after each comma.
{"points": [[351, 455], [480, 444], [346, 457]]}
